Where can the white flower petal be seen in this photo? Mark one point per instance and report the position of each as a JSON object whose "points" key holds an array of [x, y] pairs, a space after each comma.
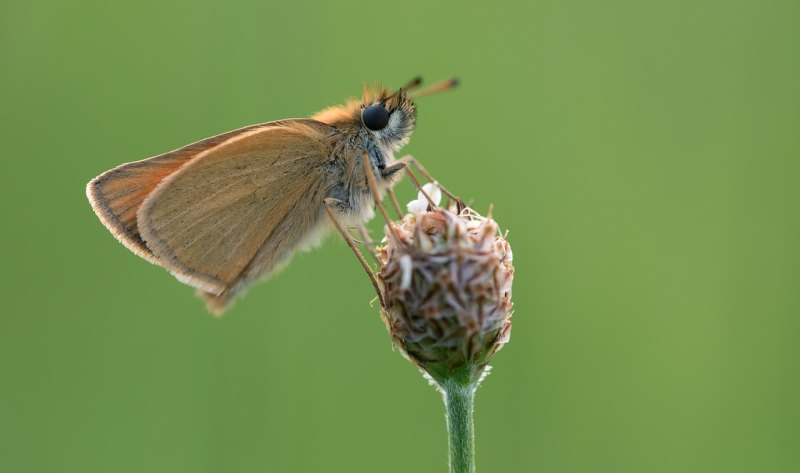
{"points": [[417, 207], [433, 190], [420, 204]]}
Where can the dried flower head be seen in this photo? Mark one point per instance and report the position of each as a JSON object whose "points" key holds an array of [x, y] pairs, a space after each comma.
{"points": [[445, 283]]}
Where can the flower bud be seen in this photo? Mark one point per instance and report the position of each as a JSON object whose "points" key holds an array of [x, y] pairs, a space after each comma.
{"points": [[446, 279]]}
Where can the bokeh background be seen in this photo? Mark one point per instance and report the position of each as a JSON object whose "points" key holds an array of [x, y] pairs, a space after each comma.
{"points": [[645, 157]]}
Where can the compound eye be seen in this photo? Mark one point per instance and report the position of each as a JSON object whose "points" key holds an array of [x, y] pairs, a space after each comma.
{"points": [[375, 117]]}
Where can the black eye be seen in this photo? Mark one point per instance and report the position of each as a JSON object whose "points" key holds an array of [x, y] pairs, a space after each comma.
{"points": [[375, 117]]}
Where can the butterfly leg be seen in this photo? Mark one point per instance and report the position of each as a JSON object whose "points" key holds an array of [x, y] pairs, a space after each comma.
{"points": [[333, 207], [395, 203], [408, 159], [414, 180], [368, 243], [392, 175], [373, 187]]}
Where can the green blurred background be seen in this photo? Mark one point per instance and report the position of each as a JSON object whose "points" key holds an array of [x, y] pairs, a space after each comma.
{"points": [[644, 156]]}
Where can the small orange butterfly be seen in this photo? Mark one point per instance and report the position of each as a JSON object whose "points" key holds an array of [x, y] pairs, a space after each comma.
{"points": [[224, 212]]}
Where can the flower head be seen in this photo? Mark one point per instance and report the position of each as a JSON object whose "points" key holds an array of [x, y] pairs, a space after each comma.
{"points": [[446, 278]]}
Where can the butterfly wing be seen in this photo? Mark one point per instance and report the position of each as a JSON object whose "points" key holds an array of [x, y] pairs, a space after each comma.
{"points": [[116, 195], [238, 210]]}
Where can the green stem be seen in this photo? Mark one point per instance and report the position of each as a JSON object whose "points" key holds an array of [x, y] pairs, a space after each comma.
{"points": [[458, 398]]}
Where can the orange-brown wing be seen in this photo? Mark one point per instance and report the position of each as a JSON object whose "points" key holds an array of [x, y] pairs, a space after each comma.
{"points": [[258, 193], [116, 195]]}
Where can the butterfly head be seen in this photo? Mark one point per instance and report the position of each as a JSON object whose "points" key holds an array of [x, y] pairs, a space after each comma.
{"points": [[386, 117], [381, 115]]}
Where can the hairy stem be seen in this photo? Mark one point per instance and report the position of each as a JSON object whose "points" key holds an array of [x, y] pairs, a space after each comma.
{"points": [[458, 399]]}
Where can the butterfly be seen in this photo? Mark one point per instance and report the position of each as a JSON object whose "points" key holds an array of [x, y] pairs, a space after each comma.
{"points": [[227, 211]]}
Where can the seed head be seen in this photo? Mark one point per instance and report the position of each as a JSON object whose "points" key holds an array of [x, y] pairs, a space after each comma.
{"points": [[445, 282]]}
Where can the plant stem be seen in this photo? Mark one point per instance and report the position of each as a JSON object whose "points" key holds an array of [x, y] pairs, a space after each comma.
{"points": [[458, 398]]}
